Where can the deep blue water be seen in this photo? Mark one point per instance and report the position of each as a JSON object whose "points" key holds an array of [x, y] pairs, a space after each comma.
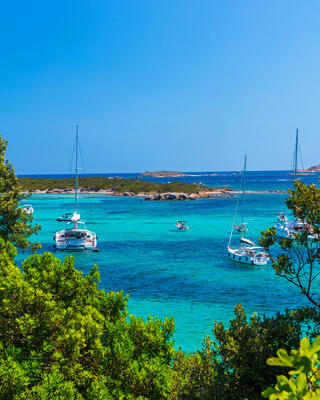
{"points": [[186, 275], [255, 180]]}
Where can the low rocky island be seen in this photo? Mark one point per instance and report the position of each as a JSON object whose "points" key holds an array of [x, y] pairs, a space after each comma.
{"points": [[124, 187], [314, 168], [171, 174]]}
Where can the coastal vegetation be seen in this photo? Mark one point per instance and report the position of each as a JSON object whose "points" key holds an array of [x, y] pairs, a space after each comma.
{"points": [[117, 185], [15, 224], [62, 337]]}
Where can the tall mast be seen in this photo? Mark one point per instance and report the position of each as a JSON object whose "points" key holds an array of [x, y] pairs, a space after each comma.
{"points": [[76, 194], [243, 191], [295, 162], [238, 197]]}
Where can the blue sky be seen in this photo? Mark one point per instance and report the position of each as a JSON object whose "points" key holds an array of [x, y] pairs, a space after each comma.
{"points": [[171, 84]]}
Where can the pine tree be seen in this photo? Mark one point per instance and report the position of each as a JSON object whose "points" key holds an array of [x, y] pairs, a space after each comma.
{"points": [[15, 224]]}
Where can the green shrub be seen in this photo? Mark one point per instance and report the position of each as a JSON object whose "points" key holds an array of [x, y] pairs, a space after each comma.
{"points": [[233, 365], [62, 337]]}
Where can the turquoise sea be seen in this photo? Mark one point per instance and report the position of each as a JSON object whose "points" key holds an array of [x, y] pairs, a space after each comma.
{"points": [[185, 275]]}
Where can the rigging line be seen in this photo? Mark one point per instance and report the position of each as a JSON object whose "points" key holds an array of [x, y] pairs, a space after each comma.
{"points": [[300, 154], [72, 155], [236, 210], [234, 219], [81, 156]]}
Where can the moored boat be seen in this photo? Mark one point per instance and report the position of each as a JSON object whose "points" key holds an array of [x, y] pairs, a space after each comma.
{"points": [[27, 208], [292, 228], [77, 237], [247, 252], [69, 217], [182, 226], [254, 255]]}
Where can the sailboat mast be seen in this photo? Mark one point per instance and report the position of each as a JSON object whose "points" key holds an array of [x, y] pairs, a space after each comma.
{"points": [[237, 203], [243, 191], [295, 165], [76, 193]]}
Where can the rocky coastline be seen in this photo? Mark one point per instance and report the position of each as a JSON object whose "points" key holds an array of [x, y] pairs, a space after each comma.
{"points": [[313, 169]]}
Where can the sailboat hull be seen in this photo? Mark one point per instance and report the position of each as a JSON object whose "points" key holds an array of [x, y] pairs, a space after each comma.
{"points": [[243, 256]]}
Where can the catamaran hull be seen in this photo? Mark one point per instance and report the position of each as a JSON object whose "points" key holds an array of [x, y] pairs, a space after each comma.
{"points": [[70, 247], [63, 241], [76, 246]]}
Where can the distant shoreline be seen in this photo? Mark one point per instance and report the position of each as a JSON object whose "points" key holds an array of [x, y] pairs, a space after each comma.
{"points": [[164, 196], [146, 190]]}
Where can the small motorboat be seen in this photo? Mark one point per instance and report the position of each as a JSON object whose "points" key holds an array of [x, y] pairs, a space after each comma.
{"points": [[69, 217], [27, 208], [182, 226], [241, 227]]}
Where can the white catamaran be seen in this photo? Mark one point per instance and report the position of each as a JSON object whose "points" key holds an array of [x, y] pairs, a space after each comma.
{"points": [[77, 237], [247, 252]]}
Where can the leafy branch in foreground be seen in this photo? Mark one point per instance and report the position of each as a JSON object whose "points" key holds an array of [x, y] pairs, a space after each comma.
{"points": [[304, 380], [15, 224], [297, 259]]}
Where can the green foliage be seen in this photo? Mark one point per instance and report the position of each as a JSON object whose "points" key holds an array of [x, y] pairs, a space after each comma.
{"points": [[62, 337], [303, 382], [297, 259], [118, 185], [15, 224], [233, 366]]}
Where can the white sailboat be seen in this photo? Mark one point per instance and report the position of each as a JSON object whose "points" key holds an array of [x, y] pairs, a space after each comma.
{"points": [[247, 252], [77, 237], [290, 228]]}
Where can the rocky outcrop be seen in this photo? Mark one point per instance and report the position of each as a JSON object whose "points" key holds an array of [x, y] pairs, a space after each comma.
{"points": [[184, 196], [314, 168]]}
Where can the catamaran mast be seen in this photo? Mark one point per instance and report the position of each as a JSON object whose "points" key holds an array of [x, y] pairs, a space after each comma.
{"points": [[295, 162], [76, 194]]}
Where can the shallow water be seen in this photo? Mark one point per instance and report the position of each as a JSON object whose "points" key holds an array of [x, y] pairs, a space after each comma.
{"points": [[186, 275]]}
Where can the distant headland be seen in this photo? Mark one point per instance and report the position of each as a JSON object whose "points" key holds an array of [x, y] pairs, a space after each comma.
{"points": [[171, 174], [314, 168]]}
